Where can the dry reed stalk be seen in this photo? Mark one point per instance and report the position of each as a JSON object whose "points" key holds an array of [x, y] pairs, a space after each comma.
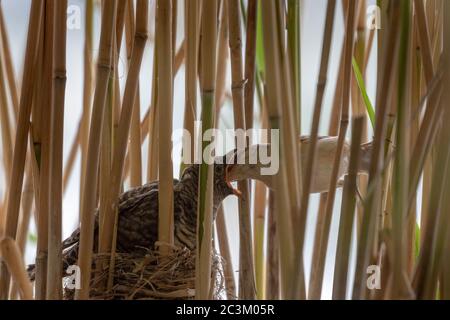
{"points": [[400, 283], [165, 106], [272, 276], [225, 252], [6, 130], [9, 66], [45, 166], [250, 61], [434, 234], [20, 147], [88, 79], [247, 289], [283, 211], [321, 84], [191, 26], [12, 257], [68, 167], [294, 52], [205, 199], [372, 207], [108, 224], [135, 133], [223, 56], [341, 265], [104, 67], [54, 265], [324, 221], [259, 222]]}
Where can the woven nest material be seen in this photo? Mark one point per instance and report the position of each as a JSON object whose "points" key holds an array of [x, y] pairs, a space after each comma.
{"points": [[150, 276]]}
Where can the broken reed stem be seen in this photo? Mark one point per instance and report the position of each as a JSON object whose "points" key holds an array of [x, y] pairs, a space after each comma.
{"points": [[54, 265], [20, 146], [321, 84], [347, 213], [247, 289], [165, 106], [12, 257], [206, 191], [89, 195]]}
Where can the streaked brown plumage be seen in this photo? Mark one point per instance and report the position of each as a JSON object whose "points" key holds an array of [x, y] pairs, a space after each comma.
{"points": [[138, 215]]}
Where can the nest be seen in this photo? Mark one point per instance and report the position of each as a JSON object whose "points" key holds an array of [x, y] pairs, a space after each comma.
{"points": [[150, 276]]}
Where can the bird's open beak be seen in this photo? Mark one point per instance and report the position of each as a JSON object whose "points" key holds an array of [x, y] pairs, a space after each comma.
{"points": [[235, 191]]}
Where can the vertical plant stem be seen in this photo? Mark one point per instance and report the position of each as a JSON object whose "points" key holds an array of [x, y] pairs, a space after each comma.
{"points": [[89, 196], [205, 200]]}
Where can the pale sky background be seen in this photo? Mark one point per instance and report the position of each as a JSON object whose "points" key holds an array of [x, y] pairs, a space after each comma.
{"points": [[313, 15]]}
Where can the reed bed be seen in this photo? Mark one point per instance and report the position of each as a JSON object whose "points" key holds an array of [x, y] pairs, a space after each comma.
{"points": [[243, 64]]}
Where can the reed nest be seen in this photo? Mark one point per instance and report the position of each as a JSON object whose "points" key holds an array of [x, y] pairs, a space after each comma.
{"points": [[149, 276]]}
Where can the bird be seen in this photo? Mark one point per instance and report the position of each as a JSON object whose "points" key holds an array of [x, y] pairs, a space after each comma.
{"points": [[138, 215], [323, 165]]}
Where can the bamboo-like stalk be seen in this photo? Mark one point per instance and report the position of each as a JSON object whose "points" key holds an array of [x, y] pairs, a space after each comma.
{"points": [[434, 234], [104, 66], [165, 106], [400, 178], [153, 142], [9, 67], [88, 79], [205, 197], [384, 89], [10, 253], [191, 47], [347, 214], [283, 211], [324, 221], [20, 147], [293, 37], [46, 114], [6, 129], [247, 289], [224, 248], [272, 280], [54, 266], [321, 83], [135, 133], [123, 130]]}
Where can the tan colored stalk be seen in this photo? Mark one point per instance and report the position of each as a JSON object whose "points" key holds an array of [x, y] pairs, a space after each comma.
{"points": [[372, 205], [225, 252], [247, 289], [341, 265], [88, 79], [153, 141], [7, 143], [206, 189], [135, 133], [54, 266], [9, 66], [165, 106], [107, 243], [283, 211], [321, 84], [324, 221], [191, 47], [273, 268], [89, 195], [68, 167], [10, 253], [45, 169]]}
